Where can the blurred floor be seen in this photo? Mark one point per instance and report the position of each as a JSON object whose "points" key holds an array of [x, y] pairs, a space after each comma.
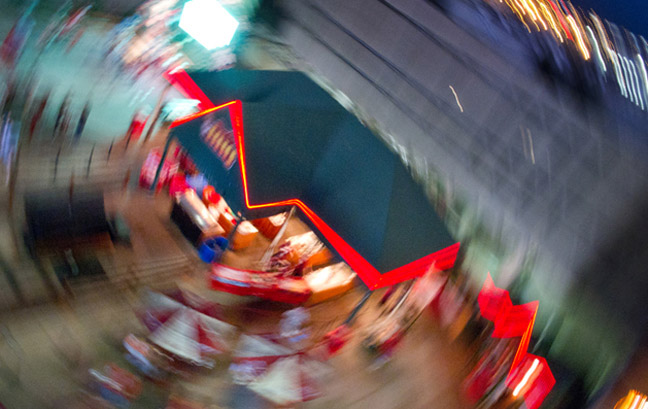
{"points": [[55, 344]]}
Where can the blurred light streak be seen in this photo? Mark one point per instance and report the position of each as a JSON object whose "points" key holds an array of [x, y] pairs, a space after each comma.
{"points": [[531, 146], [633, 399], [522, 10], [537, 14], [594, 39], [645, 44], [579, 23], [635, 78], [619, 74], [597, 50], [628, 78], [552, 22], [520, 14], [635, 402], [579, 38], [533, 16], [527, 375], [644, 75], [603, 36], [561, 19], [456, 97]]}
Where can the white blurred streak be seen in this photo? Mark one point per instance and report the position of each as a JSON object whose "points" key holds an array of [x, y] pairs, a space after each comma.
{"points": [[597, 50], [643, 75], [527, 375], [626, 83], [531, 146], [630, 80], [635, 402], [579, 37], [456, 97], [635, 77]]}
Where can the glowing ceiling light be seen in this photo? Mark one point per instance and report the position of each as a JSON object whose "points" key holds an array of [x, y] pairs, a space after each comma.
{"points": [[208, 23]]}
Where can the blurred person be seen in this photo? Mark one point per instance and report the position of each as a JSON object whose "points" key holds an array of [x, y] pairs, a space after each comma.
{"points": [[71, 23], [13, 44], [9, 97], [75, 39], [3, 92], [37, 114], [82, 122], [136, 126], [65, 126], [8, 143], [62, 116], [25, 101], [390, 291], [51, 31], [293, 325]]}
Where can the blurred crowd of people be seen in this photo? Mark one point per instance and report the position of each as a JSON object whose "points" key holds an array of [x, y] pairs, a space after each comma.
{"points": [[22, 104], [139, 45]]}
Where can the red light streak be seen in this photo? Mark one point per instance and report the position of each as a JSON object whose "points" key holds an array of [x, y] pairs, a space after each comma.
{"points": [[183, 83], [561, 19], [191, 117]]}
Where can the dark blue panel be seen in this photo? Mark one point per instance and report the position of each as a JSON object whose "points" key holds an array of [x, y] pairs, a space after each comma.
{"points": [[282, 148], [226, 181], [414, 230], [351, 188]]}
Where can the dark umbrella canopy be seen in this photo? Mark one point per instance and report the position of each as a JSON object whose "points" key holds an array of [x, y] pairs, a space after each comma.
{"points": [[310, 152]]}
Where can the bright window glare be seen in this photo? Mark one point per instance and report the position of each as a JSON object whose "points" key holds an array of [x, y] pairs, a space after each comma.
{"points": [[208, 23]]}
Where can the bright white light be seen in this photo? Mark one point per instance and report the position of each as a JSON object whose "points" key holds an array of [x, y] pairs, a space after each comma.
{"points": [[526, 377], [208, 23], [597, 50], [644, 75]]}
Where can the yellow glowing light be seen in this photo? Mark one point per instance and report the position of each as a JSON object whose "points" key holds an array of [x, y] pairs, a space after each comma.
{"points": [[633, 400], [528, 8], [537, 13], [519, 13], [579, 37], [520, 6], [549, 16], [644, 74]]}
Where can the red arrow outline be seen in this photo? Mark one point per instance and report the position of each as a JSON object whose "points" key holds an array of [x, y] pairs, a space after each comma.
{"points": [[498, 320]]}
